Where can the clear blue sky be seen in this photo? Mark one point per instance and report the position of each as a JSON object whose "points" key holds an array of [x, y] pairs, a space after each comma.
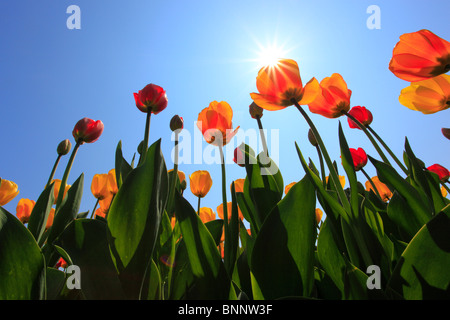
{"points": [[199, 51]]}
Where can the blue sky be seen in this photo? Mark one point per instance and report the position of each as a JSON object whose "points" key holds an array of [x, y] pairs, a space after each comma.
{"points": [[198, 51]]}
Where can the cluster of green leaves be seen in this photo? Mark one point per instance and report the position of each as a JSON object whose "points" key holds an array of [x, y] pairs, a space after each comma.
{"points": [[136, 253]]}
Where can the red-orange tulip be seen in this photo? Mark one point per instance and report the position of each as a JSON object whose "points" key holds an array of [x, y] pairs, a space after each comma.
{"points": [[24, 208], [441, 171], [420, 55], [334, 98], [362, 114], [152, 99], [359, 158], [278, 85], [215, 123], [87, 130]]}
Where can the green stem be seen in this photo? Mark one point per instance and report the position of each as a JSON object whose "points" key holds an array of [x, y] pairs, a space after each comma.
{"points": [[53, 170], [95, 207], [173, 181], [322, 167], [374, 143], [263, 137], [146, 134], [66, 175], [371, 183], [198, 206], [333, 173], [224, 194], [388, 150]]}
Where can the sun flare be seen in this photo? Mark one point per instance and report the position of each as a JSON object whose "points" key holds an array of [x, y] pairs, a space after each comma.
{"points": [[270, 55]]}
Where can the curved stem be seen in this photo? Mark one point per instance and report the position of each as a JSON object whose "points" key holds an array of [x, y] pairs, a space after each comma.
{"points": [[388, 150], [95, 207], [53, 170], [66, 175], [374, 143], [146, 134], [263, 137], [371, 183], [334, 176]]}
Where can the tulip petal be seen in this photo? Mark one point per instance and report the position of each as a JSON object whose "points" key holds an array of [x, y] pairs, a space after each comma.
{"points": [[265, 103], [310, 92]]}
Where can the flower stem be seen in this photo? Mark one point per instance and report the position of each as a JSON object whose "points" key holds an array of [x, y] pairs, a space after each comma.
{"points": [[66, 175], [333, 173], [95, 207], [224, 193], [374, 143], [322, 168], [263, 137], [388, 150], [53, 170], [371, 183], [173, 181], [146, 134], [198, 206]]}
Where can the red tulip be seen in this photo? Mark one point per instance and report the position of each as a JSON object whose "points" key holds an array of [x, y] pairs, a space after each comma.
{"points": [[239, 157], [359, 157], [152, 99], [442, 172], [362, 115], [87, 130]]}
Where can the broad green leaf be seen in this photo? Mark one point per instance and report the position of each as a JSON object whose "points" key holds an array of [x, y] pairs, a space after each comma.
{"points": [[152, 291], [85, 241], [282, 258], [121, 165], [211, 278], [423, 270], [22, 266], [55, 282], [231, 243], [39, 214], [134, 219]]}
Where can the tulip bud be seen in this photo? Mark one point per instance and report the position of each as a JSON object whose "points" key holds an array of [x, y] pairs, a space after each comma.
{"points": [[141, 147], [64, 147], [176, 123], [446, 132], [255, 111], [87, 130], [312, 138], [239, 158], [361, 114]]}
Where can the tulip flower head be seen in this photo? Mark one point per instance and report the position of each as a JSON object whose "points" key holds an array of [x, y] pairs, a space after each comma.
{"points": [[215, 123], [238, 185], [359, 157], [176, 123], [24, 209], [441, 171], [361, 114], [239, 158], [200, 183], [446, 132], [112, 182], [419, 56], [152, 99], [8, 191], [56, 188], [229, 207], [99, 186], [319, 215], [280, 84], [255, 111], [333, 99], [289, 186], [206, 214], [382, 189], [87, 130], [427, 96]]}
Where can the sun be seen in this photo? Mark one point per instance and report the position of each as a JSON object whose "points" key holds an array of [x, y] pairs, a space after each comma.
{"points": [[269, 56]]}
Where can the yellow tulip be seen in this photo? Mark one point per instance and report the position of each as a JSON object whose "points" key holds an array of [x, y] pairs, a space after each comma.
{"points": [[200, 183], [112, 182], [99, 186], [8, 191]]}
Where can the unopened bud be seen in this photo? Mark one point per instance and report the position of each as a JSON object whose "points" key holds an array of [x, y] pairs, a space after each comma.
{"points": [[64, 147], [255, 111], [176, 123], [141, 147], [312, 138], [446, 132]]}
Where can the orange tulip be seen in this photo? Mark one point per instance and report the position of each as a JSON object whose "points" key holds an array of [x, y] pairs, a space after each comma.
{"points": [[420, 55], [8, 191], [220, 211], [443, 192], [382, 189], [24, 208], [215, 123], [427, 96], [238, 185], [181, 175], [51, 216], [112, 182], [200, 183], [341, 180], [100, 212], [99, 186], [319, 215], [206, 214], [278, 85], [288, 187], [56, 188], [333, 98]]}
